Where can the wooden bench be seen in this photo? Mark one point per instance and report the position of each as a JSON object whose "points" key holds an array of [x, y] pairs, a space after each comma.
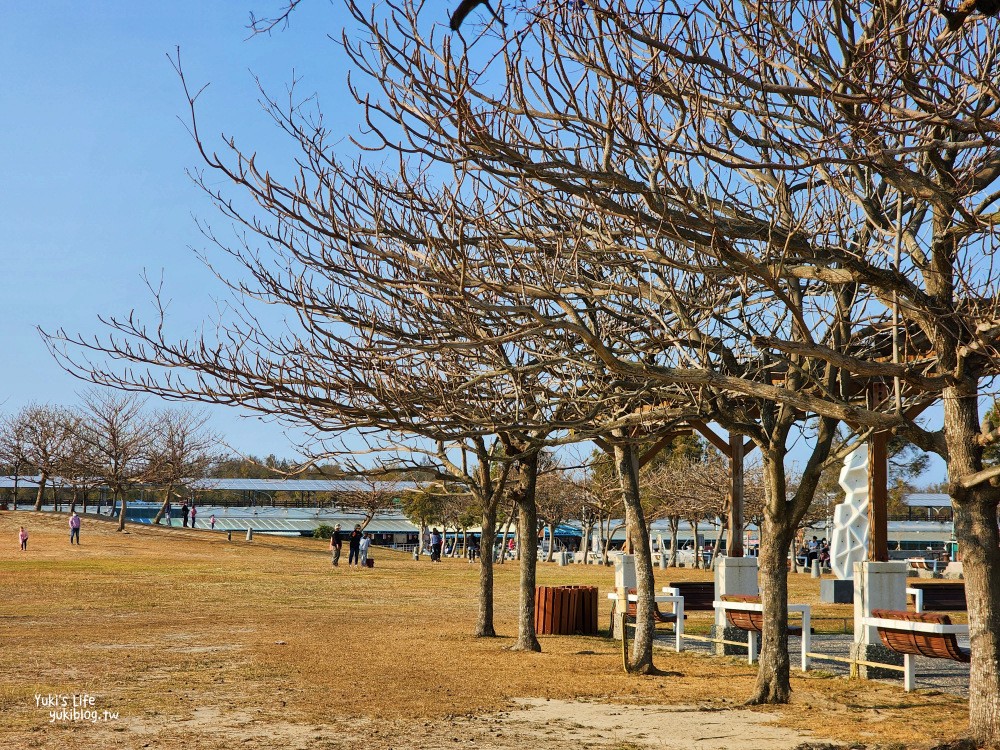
{"points": [[752, 620], [938, 596], [698, 595], [745, 612], [632, 608], [675, 618], [922, 563], [918, 634]]}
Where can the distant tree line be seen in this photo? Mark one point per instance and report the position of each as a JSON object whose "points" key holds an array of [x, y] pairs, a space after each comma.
{"points": [[111, 441]]}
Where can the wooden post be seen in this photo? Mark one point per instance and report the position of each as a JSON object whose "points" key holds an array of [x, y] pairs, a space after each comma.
{"points": [[734, 541], [878, 497]]}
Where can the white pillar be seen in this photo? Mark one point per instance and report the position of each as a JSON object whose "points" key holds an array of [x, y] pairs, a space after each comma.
{"points": [[733, 575], [624, 580], [877, 585]]}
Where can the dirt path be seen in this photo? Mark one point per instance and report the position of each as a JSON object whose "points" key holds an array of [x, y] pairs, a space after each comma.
{"points": [[532, 723]]}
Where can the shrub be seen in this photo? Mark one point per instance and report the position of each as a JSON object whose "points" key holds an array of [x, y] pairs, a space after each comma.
{"points": [[323, 531]]}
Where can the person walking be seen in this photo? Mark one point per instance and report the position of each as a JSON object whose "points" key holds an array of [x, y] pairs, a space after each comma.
{"points": [[211, 521], [335, 544], [74, 528], [194, 512], [364, 544], [184, 514], [354, 556], [166, 514], [22, 535], [435, 545]]}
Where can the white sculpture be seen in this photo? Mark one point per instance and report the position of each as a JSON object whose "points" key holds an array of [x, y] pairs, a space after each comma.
{"points": [[850, 518]]}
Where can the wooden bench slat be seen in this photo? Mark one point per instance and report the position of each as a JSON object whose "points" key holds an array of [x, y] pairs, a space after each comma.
{"points": [[748, 619], [698, 595], [941, 595], [662, 618], [910, 641]]}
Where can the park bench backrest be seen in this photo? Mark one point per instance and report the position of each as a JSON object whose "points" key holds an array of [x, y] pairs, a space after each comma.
{"points": [[632, 610], [698, 595], [933, 645], [946, 595], [743, 619], [748, 620]]}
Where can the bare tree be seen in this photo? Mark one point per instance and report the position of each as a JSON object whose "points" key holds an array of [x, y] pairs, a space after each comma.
{"points": [[604, 498], [47, 433], [371, 496], [77, 463], [557, 498], [119, 435], [182, 450], [13, 445]]}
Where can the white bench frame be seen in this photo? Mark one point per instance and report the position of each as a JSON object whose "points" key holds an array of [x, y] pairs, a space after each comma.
{"points": [[909, 673], [752, 635], [677, 601], [918, 598]]}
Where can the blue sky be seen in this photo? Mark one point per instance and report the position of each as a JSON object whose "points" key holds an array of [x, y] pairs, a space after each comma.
{"points": [[94, 192]]}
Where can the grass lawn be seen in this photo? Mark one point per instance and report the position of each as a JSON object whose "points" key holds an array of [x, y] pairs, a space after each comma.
{"points": [[198, 642]]}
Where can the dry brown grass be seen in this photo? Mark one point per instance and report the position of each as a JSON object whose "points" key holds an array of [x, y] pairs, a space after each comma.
{"points": [[171, 628]]}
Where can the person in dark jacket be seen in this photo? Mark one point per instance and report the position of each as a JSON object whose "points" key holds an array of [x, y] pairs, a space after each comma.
{"points": [[335, 542], [354, 558]]}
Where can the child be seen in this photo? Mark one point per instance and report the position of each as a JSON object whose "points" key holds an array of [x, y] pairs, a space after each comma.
{"points": [[363, 546], [23, 536]]}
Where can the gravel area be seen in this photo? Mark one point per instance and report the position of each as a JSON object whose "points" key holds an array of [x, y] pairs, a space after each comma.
{"points": [[932, 674]]}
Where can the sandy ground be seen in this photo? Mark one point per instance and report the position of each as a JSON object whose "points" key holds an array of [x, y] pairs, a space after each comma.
{"points": [[531, 723]]}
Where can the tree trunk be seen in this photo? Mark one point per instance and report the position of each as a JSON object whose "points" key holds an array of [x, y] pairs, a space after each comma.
{"points": [[627, 467], [976, 532], [675, 527], [527, 547], [773, 680], [599, 551], [585, 542], [607, 543], [121, 514], [72, 500], [552, 543], [484, 622], [41, 490], [163, 506], [506, 531], [717, 549], [696, 545]]}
